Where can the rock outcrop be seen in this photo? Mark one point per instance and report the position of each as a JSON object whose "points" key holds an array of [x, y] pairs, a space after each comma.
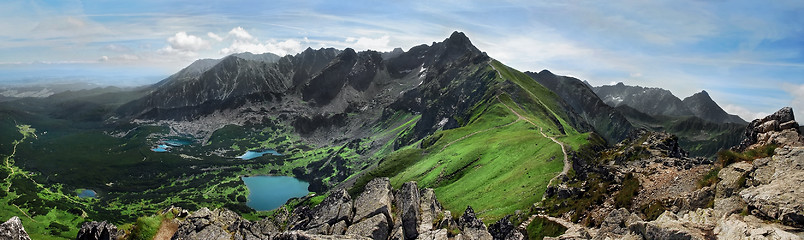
{"points": [[13, 230], [377, 213], [779, 128], [776, 187], [758, 199], [98, 231]]}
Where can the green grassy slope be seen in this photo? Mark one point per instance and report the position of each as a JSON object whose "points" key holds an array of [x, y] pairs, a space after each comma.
{"points": [[498, 162]]}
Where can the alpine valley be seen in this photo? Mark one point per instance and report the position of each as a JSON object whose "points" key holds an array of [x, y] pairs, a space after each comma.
{"points": [[437, 142]]}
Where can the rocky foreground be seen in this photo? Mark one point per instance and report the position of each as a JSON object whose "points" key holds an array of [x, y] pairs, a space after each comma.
{"points": [[378, 213], [755, 199]]}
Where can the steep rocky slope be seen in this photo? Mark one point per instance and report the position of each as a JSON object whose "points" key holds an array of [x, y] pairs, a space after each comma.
{"points": [[608, 122], [702, 106]]}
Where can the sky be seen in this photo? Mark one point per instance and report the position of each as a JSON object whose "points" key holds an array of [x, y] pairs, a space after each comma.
{"points": [[748, 55]]}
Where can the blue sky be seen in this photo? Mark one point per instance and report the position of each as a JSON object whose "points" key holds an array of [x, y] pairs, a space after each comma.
{"points": [[749, 55]]}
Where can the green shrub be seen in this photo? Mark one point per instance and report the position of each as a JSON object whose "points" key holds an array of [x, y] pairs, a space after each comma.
{"points": [[652, 210], [727, 157], [626, 195], [390, 166], [709, 179], [145, 228], [541, 227]]}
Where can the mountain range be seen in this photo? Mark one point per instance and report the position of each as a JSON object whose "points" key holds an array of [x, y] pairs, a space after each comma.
{"points": [[443, 120]]}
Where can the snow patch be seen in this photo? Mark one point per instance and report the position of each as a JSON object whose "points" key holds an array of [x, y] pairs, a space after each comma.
{"points": [[442, 122]]}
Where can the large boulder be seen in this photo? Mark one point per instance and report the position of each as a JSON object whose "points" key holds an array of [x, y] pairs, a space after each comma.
{"points": [[13, 230], [785, 160], [407, 205], [781, 199], [430, 209], [732, 178], [375, 199], [616, 222], [472, 227], [336, 207], [376, 227], [206, 224], [750, 227], [504, 229], [97, 231], [694, 225]]}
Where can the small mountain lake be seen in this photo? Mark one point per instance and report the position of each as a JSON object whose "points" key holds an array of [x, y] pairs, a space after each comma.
{"points": [[86, 193], [161, 148], [270, 192], [258, 153], [165, 145]]}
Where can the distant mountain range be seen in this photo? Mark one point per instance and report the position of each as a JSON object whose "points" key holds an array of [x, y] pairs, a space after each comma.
{"points": [[614, 111], [657, 101]]}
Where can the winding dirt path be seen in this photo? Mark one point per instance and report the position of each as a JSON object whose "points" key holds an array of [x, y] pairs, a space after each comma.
{"points": [[567, 164]]}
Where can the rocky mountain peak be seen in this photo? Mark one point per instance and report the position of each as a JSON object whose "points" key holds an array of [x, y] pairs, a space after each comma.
{"points": [[702, 106], [546, 72], [458, 38], [458, 45], [264, 57]]}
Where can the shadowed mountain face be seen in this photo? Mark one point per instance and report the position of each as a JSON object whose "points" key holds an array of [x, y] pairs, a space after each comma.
{"points": [[653, 101], [657, 101], [701, 125], [702, 106], [579, 95]]}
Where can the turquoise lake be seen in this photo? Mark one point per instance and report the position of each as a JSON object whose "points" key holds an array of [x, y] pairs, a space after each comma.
{"points": [[160, 148], [270, 192], [87, 193], [255, 154]]}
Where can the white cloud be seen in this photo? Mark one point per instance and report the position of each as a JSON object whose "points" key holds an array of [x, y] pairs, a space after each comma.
{"points": [[279, 48], [184, 45], [244, 42], [119, 58], [744, 113], [184, 41], [364, 43], [241, 34], [214, 36]]}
